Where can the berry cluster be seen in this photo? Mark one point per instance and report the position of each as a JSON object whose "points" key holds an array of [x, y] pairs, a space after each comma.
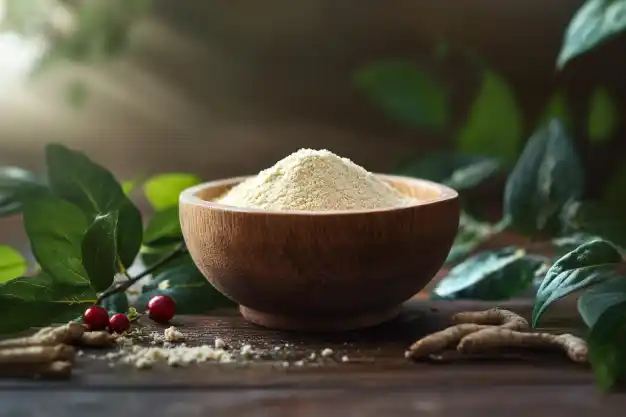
{"points": [[161, 308]]}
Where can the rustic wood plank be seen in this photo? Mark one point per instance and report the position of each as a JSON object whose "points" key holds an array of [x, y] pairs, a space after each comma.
{"points": [[376, 357], [465, 401]]}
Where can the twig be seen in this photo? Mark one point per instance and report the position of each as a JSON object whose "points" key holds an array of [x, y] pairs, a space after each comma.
{"points": [[124, 285]]}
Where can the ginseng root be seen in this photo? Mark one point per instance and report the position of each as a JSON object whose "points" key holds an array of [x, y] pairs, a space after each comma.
{"points": [[496, 337], [492, 317], [442, 340], [36, 355], [48, 336], [97, 339], [477, 331]]}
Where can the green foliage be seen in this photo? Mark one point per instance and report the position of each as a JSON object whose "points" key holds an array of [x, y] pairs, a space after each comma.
{"points": [[589, 264], [471, 234], [595, 218], [456, 170], [603, 308], [557, 109], [84, 231], [187, 286], [405, 93], [493, 275], [14, 183], [96, 192], [547, 176], [41, 300], [494, 126], [603, 115], [99, 251], [12, 263], [607, 345], [55, 229], [162, 190], [164, 226], [595, 22], [116, 303]]}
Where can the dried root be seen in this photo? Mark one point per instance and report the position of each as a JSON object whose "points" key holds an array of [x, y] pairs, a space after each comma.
{"points": [[492, 317], [97, 339], [478, 331], [36, 354], [442, 340], [48, 336], [49, 353], [574, 347]]}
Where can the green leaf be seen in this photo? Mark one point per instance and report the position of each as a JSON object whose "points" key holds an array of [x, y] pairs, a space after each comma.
{"points": [[14, 183], [164, 225], [12, 263], [602, 296], [587, 265], [594, 23], [494, 126], [157, 250], [128, 186], [603, 308], [405, 93], [603, 115], [99, 251], [162, 191], [458, 171], [596, 219], [471, 234], [188, 287], [565, 244], [557, 109], [95, 190], [494, 275], [55, 229], [116, 303], [547, 176], [40, 300]]}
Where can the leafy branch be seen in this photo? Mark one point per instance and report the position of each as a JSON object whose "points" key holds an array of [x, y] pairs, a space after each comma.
{"points": [[84, 232], [125, 285]]}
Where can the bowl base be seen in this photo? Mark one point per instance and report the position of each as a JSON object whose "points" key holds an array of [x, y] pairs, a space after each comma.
{"points": [[318, 324]]}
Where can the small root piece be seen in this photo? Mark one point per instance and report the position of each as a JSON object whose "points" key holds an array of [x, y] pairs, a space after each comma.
{"points": [[436, 342], [497, 337], [36, 355], [97, 339], [492, 317], [48, 336]]}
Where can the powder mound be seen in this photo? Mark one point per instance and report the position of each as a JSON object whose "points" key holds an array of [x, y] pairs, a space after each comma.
{"points": [[315, 180]]}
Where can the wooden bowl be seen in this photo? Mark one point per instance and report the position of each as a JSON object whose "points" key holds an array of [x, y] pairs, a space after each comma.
{"points": [[320, 271]]}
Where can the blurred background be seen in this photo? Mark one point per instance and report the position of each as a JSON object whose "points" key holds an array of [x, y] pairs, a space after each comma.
{"points": [[222, 88]]}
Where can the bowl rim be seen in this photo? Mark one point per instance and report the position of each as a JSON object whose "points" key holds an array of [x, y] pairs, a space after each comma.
{"points": [[189, 197]]}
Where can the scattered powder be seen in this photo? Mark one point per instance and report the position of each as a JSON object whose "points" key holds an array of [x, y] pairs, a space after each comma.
{"points": [[315, 180], [327, 353], [172, 334], [141, 356]]}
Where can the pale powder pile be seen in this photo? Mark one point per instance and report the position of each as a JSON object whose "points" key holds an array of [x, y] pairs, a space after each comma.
{"points": [[315, 180]]}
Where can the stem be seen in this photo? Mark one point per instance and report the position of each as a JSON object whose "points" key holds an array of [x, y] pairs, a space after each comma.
{"points": [[124, 285]]}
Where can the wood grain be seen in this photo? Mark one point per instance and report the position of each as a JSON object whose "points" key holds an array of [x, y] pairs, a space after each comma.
{"points": [[377, 380], [320, 270]]}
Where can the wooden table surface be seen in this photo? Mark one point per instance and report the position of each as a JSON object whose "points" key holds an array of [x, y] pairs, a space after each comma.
{"points": [[377, 380]]}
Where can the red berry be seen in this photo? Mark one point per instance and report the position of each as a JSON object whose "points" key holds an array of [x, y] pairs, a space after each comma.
{"points": [[96, 318], [161, 308], [119, 323]]}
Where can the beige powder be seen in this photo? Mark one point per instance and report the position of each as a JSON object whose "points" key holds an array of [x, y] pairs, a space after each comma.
{"points": [[315, 180]]}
